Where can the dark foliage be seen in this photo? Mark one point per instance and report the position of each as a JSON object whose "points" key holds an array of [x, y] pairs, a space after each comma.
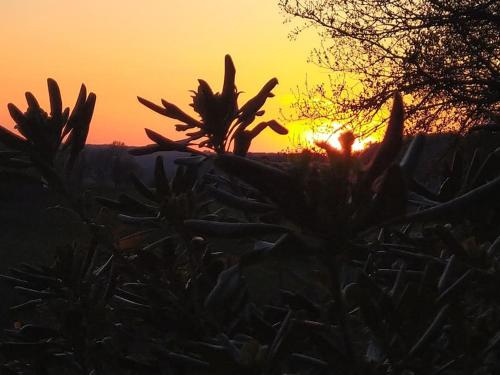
{"points": [[400, 279]]}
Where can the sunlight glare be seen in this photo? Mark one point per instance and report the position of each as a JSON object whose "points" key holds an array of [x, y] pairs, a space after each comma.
{"points": [[330, 133]]}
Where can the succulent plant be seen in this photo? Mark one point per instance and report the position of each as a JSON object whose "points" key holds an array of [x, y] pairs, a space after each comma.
{"points": [[46, 137], [42, 134], [221, 122]]}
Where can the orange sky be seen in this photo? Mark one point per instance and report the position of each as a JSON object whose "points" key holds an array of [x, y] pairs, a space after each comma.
{"points": [[155, 49]]}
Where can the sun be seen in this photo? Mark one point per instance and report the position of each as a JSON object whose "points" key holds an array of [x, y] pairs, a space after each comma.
{"points": [[330, 133]]}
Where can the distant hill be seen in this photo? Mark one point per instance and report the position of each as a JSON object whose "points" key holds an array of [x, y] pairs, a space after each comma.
{"points": [[111, 165], [145, 163]]}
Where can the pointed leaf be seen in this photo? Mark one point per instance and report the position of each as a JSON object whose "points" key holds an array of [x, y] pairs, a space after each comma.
{"points": [[456, 206], [257, 129], [164, 143], [277, 127], [12, 140], [249, 110], [76, 113], [153, 106], [32, 102], [391, 144], [172, 111], [245, 204], [144, 150], [16, 114], [55, 100], [430, 332], [228, 88]]}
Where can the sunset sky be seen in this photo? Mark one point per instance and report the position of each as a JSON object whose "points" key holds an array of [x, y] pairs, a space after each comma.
{"points": [[155, 49]]}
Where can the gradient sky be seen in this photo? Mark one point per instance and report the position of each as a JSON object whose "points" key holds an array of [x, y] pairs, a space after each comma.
{"points": [[155, 49]]}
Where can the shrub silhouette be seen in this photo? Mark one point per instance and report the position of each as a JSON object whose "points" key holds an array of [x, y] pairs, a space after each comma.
{"points": [[222, 120], [45, 136]]}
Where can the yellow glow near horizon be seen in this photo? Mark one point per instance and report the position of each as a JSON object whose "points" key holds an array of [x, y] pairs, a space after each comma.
{"points": [[329, 132], [156, 49]]}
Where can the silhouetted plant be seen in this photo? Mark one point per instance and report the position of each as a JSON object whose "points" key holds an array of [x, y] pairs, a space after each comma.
{"points": [[45, 136], [44, 133], [222, 121]]}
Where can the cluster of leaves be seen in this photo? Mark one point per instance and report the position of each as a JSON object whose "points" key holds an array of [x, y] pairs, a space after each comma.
{"points": [[222, 121], [405, 277], [44, 138]]}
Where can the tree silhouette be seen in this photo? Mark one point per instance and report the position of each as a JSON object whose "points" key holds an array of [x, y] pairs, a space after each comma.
{"points": [[443, 54]]}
